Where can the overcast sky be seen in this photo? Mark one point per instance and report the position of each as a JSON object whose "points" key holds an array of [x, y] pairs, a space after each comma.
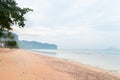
{"points": [[73, 24]]}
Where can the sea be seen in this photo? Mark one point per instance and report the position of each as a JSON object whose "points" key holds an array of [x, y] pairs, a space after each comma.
{"points": [[108, 60]]}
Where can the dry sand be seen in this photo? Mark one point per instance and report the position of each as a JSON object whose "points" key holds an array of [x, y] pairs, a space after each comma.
{"points": [[25, 65]]}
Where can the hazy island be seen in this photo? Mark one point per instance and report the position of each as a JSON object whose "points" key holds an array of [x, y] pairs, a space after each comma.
{"points": [[24, 44], [36, 45]]}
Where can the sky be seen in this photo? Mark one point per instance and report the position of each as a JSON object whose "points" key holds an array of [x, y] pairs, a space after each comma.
{"points": [[73, 24]]}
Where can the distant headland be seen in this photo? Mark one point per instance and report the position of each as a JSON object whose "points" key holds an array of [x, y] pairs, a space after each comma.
{"points": [[35, 45], [24, 44]]}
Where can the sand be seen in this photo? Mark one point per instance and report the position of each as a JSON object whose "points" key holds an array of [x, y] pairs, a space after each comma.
{"points": [[16, 64]]}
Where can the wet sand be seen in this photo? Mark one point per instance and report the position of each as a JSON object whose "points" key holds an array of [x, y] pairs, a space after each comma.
{"points": [[16, 64]]}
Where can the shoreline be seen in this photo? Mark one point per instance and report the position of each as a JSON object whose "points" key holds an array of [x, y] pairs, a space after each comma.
{"points": [[21, 64], [96, 68], [114, 71]]}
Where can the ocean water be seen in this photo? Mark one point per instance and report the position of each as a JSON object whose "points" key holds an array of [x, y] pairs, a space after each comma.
{"points": [[109, 60]]}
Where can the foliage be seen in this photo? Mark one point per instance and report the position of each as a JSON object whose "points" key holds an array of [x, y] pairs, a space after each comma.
{"points": [[7, 38], [11, 14], [11, 44], [6, 34]]}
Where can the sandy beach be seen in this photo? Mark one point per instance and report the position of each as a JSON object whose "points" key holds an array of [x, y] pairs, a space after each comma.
{"points": [[16, 64]]}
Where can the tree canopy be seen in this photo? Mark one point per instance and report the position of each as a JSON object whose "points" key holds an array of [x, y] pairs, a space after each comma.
{"points": [[11, 14]]}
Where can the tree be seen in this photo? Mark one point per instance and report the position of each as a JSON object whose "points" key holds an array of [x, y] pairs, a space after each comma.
{"points": [[7, 39], [11, 14], [11, 44]]}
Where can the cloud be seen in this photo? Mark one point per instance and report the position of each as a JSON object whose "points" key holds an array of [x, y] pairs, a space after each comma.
{"points": [[84, 37], [78, 24]]}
